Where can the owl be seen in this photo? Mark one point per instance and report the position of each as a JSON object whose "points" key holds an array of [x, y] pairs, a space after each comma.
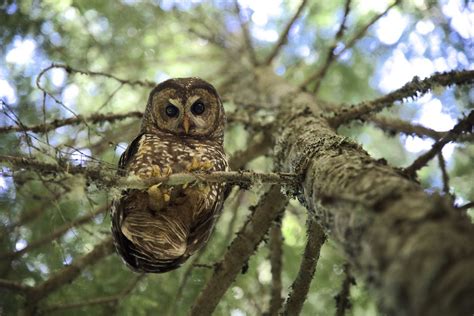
{"points": [[182, 130]]}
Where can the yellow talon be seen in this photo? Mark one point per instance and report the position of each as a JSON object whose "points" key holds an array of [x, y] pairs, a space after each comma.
{"points": [[156, 171], [168, 171], [166, 197], [207, 165], [194, 164], [197, 165]]}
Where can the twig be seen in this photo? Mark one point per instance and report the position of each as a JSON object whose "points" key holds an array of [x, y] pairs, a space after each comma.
{"points": [[330, 57], [69, 69], [109, 98], [45, 92], [100, 118], [342, 298], [108, 178], [276, 254], [363, 30], [259, 146], [211, 38], [444, 173], [184, 281], [398, 125], [246, 34], [94, 119], [300, 287], [268, 208], [466, 206], [393, 125], [70, 272], [97, 301], [284, 35], [413, 89], [15, 286], [203, 265], [54, 235], [465, 125]]}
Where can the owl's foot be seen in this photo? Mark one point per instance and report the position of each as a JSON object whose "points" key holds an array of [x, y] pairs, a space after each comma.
{"points": [[158, 197], [197, 165], [156, 171]]}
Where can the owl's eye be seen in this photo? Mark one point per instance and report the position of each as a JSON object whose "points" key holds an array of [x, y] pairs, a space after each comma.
{"points": [[171, 110], [198, 108]]}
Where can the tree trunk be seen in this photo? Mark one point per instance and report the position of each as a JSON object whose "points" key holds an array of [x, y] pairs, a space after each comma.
{"points": [[414, 251]]}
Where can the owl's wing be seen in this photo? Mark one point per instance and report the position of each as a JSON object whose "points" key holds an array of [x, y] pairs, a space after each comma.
{"points": [[119, 209], [128, 154], [203, 227]]}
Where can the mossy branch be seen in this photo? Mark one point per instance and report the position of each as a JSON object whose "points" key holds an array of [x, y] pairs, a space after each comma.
{"points": [[109, 178], [412, 89]]}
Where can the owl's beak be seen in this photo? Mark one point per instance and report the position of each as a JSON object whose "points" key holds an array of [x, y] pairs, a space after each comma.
{"points": [[186, 124]]}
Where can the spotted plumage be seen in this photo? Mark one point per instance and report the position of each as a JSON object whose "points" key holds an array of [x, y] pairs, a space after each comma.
{"points": [[157, 229]]}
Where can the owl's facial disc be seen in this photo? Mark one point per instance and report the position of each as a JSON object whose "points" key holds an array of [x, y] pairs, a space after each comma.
{"points": [[187, 107]]}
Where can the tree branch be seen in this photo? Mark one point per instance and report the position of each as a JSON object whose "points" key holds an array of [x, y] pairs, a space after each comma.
{"points": [[116, 298], [381, 207], [363, 30], [413, 89], [108, 178], [465, 125], [246, 34], [284, 35], [69, 70], [271, 205], [54, 235], [101, 118], [78, 119], [276, 255], [342, 298], [15, 286], [300, 287], [259, 146], [444, 173], [330, 57], [69, 273]]}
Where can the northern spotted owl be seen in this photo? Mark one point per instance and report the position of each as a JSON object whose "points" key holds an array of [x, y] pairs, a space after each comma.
{"points": [[182, 130]]}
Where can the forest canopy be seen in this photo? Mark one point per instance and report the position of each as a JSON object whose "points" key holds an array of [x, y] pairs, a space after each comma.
{"points": [[304, 83]]}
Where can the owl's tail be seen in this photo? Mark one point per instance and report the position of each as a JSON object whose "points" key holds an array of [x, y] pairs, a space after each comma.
{"points": [[149, 242], [160, 237]]}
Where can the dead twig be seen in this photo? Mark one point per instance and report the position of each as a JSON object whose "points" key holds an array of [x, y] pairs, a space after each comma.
{"points": [[464, 125], [330, 56], [284, 35]]}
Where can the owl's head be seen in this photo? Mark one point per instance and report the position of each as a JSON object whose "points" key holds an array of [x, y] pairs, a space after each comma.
{"points": [[188, 107]]}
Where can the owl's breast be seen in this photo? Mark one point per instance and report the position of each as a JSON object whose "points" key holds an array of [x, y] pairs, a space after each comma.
{"points": [[175, 154]]}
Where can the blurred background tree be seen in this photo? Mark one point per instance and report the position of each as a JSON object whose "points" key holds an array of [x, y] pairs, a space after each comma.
{"points": [[54, 229]]}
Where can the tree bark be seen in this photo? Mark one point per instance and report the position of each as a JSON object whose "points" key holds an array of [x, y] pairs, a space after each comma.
{"points": [[414, 250]]}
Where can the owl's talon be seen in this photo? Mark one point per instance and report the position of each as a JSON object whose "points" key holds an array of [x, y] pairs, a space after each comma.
{"points": [[158, 198], [156, 171], [168, 171], [199, 165]]}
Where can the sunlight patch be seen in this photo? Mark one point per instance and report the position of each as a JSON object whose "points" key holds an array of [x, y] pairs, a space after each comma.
{"points": [[21, 244], [7, 93], [22, 52], [390, 28]]}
